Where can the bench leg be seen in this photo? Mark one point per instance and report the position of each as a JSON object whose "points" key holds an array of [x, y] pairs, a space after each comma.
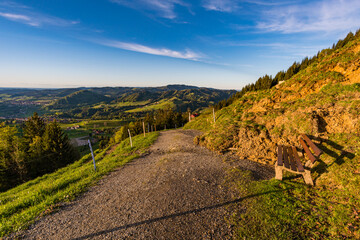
{"points": [[307, 177], [278, 172]]}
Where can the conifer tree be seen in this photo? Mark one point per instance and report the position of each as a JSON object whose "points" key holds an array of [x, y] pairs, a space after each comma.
{"points": [[57, 150], [34, 129], [12, 165]]}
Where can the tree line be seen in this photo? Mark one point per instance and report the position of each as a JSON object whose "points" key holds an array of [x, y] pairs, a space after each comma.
{"points": [[35, 149], [155, 121], [267, 82]]}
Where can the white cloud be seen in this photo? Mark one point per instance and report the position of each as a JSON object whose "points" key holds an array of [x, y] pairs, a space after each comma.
{"points": [[234, 5], [221, 5], [37, 20], [164, 8], [187, 54], [269, 2], [19, 18], [26, 15], [11, 4], [324, 16]]}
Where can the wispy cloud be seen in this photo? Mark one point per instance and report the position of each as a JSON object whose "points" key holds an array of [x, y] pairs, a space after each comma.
{"points": [[164, 8], [269, 2], [323, 16], [12, 4], [235, 5], [187, 54], [37, 20], [15, 12], [19, 18], [221, 5]]}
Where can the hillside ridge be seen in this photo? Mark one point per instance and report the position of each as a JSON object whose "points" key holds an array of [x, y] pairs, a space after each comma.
{"points": [[312, 101], [106, 102]]}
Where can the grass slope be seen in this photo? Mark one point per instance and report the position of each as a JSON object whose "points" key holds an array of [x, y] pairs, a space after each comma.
{"points": [[289, 209], [134, 102], [80, 98], [20, 206]]}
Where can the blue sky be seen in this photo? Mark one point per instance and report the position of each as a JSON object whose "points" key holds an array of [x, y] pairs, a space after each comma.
{"points": [[222, 44]]}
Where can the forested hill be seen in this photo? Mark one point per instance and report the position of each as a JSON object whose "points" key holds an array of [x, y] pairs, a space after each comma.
{"points": [[79, 98], [267, 82], [107, 102]]}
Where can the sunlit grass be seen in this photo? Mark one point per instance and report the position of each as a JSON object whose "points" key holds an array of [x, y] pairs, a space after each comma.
{"points": [[155, 106], [289, 209]]}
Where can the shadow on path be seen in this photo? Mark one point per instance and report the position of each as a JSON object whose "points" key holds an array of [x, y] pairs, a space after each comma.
{"points": [[174, 215]]}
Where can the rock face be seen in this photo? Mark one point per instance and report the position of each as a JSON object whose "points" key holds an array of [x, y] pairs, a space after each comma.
{"points": [[255, 145]]}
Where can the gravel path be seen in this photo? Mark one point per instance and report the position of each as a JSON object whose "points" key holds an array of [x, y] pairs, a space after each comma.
{"points": [[177, 191]]}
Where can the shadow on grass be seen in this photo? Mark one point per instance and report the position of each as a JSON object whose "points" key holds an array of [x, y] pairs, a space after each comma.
{"points": [[149, 221], [322, 167], [339, 159]]}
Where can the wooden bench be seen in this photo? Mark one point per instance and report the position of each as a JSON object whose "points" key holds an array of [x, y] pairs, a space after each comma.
{"points": [[289, 160]]}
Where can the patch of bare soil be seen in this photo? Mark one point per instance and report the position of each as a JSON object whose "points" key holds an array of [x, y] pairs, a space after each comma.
{"points": [[176, 191]]}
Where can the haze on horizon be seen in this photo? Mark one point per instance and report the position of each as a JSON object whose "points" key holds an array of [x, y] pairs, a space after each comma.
{"points": [[209, 43]]}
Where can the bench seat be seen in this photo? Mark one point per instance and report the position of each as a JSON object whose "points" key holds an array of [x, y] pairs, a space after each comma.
{"points": [[289, 160]]}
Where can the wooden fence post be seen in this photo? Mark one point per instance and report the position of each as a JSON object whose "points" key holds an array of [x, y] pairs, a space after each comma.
{"points": [[92, 154], [214, 114], [144, 129], [130, 138]]}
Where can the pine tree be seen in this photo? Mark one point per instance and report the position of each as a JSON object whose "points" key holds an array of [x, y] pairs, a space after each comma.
{"points": [[33, 131], [57, 150], [12, 165], [34, 127]]}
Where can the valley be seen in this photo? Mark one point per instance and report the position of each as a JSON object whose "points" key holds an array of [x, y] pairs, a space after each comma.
{"points": [[121, 103]]}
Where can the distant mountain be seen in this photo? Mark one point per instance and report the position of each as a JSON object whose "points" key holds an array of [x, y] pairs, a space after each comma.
{"points": [[137, 102], [139, 95], [79, 98], [177, 87], [107, 102]]}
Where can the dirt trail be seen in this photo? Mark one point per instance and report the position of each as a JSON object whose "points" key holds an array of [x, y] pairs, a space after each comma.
{"points": [[175, 192]]}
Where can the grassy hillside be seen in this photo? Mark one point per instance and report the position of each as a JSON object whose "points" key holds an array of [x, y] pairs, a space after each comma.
{"points": [[182, 100], [106, 103], [21, 205], [320, 100], [79, 98], [138, 102], [323, 101]]}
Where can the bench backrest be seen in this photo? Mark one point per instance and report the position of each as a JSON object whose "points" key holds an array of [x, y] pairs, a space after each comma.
{"points": [[307, 144]]}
